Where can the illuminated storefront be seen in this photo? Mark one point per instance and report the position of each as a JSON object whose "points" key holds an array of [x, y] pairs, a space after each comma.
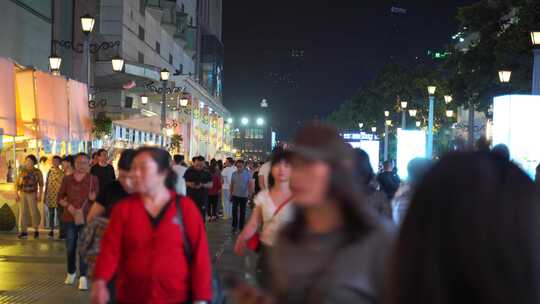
{"points": [[41, 114]]}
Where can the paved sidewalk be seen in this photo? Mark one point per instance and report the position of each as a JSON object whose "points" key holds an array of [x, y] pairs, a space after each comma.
{"points": [[33, 271]]}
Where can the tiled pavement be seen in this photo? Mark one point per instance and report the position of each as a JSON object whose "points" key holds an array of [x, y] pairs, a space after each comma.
{"points": [[32, 271]]}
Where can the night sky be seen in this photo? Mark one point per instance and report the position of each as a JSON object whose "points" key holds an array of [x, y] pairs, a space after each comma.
{"points": [[307, 57]]}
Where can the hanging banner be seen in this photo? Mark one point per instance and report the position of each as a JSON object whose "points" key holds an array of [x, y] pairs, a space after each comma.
{"points": [[8, 112]]}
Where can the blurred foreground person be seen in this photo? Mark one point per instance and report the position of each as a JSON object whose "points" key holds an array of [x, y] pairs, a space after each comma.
{"points": [[537, 177], [373, 197], [416, 169], [144, 241], [272, 211], [334, 250], [471, 235]]}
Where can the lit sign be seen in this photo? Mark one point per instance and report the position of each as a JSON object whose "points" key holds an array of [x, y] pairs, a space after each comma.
{"points": [[358, 136], [515, 124], [411, 144]]}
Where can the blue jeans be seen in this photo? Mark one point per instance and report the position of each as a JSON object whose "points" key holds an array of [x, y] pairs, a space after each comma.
{"points": [[73, 233]]}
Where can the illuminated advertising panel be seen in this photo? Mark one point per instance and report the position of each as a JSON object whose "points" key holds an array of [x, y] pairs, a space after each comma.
{"points": [[516, 124], [411, 144]]}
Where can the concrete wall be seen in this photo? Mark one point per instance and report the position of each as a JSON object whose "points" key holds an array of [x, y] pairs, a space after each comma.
{"points": [[26, 38]]}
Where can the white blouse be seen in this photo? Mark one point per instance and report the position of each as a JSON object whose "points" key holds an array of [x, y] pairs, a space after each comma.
{"points": [[272, 224]]}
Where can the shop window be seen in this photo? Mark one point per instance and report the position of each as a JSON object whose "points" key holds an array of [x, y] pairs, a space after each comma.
{"points": [[128, 103]]}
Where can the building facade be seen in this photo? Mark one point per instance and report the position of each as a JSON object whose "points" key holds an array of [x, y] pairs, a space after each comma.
{"points": [[253, 141]]}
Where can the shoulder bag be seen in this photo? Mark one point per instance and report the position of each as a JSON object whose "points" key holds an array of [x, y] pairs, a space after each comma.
{"points": [[254, 242]]}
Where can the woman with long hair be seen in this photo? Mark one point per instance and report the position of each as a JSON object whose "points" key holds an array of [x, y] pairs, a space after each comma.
{"points": [[144, 241], [272, 211], [334, 249], [471, 235]]}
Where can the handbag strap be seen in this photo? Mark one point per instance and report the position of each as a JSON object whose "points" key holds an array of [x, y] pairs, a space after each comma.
{"points": [[187, 245], [282, 205]]}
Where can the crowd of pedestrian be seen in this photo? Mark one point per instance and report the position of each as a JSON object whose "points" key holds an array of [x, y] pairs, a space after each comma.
{"points": [[326, 228]]}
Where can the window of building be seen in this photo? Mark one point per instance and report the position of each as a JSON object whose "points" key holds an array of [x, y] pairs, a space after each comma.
{"points": [[254, 133], [141, 33], [142, 6], [170, 59], [158, 48], [141, 58]]}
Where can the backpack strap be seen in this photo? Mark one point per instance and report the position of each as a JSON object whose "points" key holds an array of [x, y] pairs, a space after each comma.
{"points": [[187, 245]]}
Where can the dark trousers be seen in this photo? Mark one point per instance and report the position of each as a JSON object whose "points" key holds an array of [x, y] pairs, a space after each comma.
{"points": [[73, 234], [238, 219], [53, 212], [61, 223], [213, 205]]}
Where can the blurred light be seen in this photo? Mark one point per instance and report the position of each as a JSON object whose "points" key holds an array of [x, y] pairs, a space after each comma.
{"points": [[412, 112], [410, 144], [418, 123], [184, 102], [373, 129], [201, 105], [388, 122], [164, 74], [449, 113], [230, 120], [448, 98], [144, 99], [535, 38], [260, 121], [431, 90], [386, 113], [87, 23], [403, 104], [360, 125], [117, 64], [504, 76], [244, 121], [264, 104], [169, 132]]}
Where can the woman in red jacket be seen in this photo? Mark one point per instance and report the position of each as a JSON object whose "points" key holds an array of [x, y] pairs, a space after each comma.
{"points": [[143, 243]]}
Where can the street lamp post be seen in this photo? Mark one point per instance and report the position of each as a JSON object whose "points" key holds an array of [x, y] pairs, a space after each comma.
{"points": [[431, 92], [87, 25], [385, 151], [403, 115], [535, 38], [164, 76]]}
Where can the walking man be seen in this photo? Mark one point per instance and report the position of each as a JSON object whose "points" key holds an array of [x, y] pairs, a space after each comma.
{"points": [[240, 192], [198, 181], [227, 175], [103, 170], [179, 166]]}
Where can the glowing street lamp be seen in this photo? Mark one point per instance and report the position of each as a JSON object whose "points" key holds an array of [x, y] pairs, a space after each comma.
{"points": [[360, 125], [117, 63], [412, 112], [449, 113], [244, 121], [448, 99], [230, 120], [431, 91], [260, 121], [373, 129], [87, 23], [164, 74], [144, 99], [54, 63], [504, 76], [184, 102], [403, 115], [388, 122], [418, 123], [386, 113]]}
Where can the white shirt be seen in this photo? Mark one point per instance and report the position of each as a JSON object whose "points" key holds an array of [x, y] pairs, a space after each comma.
{"points": [[180, 182], [227, 176], [272, 224], [264, 170]]}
